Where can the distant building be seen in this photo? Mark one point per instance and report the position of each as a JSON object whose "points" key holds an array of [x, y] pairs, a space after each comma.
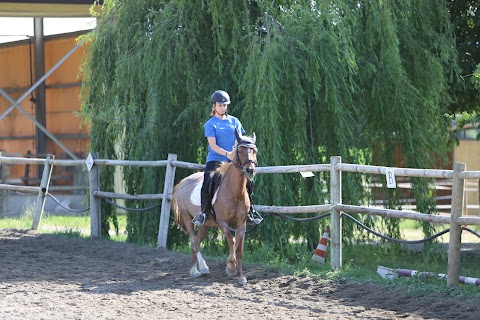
{"points": [[468, 152], [19, 133]]}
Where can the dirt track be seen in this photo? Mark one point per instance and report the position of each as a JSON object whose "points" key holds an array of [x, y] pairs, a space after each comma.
{"points": [[48, 277]]}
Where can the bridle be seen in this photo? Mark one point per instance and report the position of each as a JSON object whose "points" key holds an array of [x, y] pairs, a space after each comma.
{"points": [[243, 167]]}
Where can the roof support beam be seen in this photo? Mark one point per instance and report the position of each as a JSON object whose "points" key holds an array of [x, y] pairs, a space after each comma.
{"points": [[48, 8], [39, 71]]}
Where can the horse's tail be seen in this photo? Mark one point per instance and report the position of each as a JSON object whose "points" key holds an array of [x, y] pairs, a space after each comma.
{"points": [[176, 211]]}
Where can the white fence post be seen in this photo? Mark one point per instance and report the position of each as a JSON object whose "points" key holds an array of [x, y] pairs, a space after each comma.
{"points": [[95, 213], [40, 203], [335, 198], [455, 241], [166, 203]]}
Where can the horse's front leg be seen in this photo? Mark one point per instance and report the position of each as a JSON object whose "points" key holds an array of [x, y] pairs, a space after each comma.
{"points": [[231, 261], [239, 241]]}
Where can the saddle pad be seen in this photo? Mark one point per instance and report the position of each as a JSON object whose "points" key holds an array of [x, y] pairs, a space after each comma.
{"points": [[195, 197]]}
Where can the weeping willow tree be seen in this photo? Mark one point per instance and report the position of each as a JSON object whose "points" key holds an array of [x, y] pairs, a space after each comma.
{"points": [[313, 79]]}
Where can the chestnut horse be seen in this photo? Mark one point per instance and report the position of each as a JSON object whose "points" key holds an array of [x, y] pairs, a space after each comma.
{"points": [[231, 205]]}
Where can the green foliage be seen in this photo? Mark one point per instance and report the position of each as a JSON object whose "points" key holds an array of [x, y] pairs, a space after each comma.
{"points": [[359, 79], [465, 119], [465, 17]]}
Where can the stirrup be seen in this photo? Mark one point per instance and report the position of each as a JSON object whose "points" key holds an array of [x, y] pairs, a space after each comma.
{"points": [[254, 217], [199, 219]]}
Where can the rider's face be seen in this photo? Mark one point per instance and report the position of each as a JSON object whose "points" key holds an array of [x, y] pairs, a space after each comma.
{"points": [[221, 108]]}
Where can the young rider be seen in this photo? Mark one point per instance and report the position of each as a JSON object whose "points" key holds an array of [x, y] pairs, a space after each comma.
{"points": [[220, 133]]}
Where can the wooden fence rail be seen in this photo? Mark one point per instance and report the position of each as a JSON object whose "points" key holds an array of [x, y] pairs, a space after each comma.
{"points": [[404, 172], [19, 188], [42, 190], [455, 220], [336, 207], [390, 213]]}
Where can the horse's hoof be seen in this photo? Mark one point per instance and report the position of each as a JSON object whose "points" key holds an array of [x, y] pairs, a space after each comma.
{"points": [[241, 281], [202, 265], [231, 271], [205, 270], [194, 273]]}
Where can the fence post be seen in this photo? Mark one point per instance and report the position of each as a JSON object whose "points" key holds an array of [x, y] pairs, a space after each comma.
{"points": [[4, 193], [455, 241], [166, 203], [95, 213], [42, 193], [335, 198]]}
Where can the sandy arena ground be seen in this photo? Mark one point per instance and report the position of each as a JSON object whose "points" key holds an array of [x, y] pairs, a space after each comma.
{"points": [[48, 277]]}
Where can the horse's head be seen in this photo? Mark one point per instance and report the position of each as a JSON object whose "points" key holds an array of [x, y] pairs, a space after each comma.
{"points": [[246, 155]]}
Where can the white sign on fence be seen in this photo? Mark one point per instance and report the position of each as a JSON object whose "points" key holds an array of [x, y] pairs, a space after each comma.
{"points": [[89, 162], [308, 174], [390, 175]]}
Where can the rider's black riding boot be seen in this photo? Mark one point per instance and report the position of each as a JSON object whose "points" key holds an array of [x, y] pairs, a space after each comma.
{"points": [[201, 217], [253, 217]]}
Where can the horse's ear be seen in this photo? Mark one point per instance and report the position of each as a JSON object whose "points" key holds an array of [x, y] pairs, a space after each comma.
{"points": [[238, 135], [254, 138]]}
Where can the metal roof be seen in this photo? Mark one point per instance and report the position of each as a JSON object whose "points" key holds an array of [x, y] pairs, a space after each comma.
{"points": [[51, 8]]}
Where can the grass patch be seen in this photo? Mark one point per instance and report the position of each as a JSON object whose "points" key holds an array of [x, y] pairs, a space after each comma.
{"points": [[71, 234], [67, 226]]}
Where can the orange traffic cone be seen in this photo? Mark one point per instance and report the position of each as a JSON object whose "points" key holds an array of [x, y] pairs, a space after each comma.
{"points": [[321, 251]]}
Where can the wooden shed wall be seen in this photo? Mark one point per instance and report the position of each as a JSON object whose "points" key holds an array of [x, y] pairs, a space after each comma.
{"points": [[17, 132]]}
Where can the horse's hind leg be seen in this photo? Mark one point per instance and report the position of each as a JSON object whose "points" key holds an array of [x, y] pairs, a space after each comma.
{"points": [[202, 265], [194, 273], [197, 258], [189, 230]]}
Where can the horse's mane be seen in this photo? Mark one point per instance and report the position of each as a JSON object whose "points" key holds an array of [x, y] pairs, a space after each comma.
{"points": [[223, 168]]}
